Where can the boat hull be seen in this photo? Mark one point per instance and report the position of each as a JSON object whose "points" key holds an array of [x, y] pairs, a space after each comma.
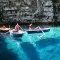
{"points": [[17, 34], [20, 33], [39, 31], [4, 30]]}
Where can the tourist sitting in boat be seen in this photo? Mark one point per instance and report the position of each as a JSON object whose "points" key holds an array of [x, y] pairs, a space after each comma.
{"points": [[17, 27], [30, 27], [3, 27]]}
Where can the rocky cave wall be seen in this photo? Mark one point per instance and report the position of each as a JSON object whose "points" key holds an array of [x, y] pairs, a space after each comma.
{"points": [[43, 10]]}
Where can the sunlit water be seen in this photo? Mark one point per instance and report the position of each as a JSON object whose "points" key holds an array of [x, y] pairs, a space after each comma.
{"points": [[31, 46]]}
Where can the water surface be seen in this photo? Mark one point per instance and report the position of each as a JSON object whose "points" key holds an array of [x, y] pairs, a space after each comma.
{"points": [[31, 46]]}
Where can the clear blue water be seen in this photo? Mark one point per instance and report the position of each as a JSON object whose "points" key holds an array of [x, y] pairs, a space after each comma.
{"points": [[31, 46]]}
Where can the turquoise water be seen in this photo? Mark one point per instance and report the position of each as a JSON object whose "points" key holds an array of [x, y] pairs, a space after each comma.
{"points": [[31, 46]]}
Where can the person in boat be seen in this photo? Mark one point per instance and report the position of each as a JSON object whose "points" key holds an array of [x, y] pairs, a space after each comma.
{"points": [[17, 27], [30, 27], [3, 27]]}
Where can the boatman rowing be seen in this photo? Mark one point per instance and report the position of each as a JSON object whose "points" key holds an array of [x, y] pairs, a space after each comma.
{"points": [[17, 27]]}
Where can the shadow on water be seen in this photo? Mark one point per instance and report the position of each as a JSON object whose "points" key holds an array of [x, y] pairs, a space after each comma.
{"points": [[2, 44], [30, 50], [6, 54], [46, 42]]}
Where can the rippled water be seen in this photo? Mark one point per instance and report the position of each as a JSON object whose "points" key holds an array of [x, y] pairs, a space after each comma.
{"points": [[31, 46]]}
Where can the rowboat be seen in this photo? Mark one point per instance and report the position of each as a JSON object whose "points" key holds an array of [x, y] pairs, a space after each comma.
{"points": [[40, 30], [20, 32], [16, 34], [3, 30]]}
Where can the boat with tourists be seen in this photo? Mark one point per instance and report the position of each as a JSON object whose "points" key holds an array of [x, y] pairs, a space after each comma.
{"points": [[4, 29], [38, 30], [19, 33]]}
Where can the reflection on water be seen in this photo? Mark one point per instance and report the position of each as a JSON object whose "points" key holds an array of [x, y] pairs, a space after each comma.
{"points": [[30, 47]]}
